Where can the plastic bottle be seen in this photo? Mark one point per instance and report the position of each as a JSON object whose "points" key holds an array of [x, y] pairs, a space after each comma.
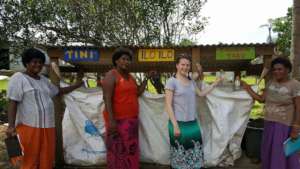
{"points": [[237, 83], [222, 76]]}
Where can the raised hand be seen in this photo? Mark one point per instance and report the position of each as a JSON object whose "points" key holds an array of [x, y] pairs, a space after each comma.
{"points": [[199, 70], [245, 85], [151, 74]]}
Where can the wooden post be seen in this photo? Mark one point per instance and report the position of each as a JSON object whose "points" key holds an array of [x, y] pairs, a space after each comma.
{"points": [[195, 57], [237, 73], [59, 156], [295, 46]]}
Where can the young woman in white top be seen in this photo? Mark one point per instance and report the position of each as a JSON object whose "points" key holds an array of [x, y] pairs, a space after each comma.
{"points": [[184, 130]]}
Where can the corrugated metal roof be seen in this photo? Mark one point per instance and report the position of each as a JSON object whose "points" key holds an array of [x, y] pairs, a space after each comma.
{"points": [[170, 46]]}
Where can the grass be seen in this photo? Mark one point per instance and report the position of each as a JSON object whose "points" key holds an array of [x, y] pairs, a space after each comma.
{"points": [[3, 84], [92, 83], [209, 78]]}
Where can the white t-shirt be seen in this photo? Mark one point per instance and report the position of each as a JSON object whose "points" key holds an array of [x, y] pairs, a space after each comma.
{"points": [[34, 96], [184, 99]]}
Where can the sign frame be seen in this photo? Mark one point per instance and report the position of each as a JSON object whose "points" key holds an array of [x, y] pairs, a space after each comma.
{"points": [[156, 55], [235, 53], [81, 55]]}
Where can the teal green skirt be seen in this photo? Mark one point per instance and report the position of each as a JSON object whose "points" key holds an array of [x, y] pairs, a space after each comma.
{"points": [[186, 150]]}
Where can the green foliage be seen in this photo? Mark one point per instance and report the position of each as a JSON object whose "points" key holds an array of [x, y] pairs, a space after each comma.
{"points": [[99, 22], [92, 83], [3, 106], [283, 27], [257, 111], [186, 42]]}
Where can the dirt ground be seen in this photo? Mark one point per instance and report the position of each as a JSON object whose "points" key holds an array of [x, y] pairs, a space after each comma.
{"points": [[242, 163]]}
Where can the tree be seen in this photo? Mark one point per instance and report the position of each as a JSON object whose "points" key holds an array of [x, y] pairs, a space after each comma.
{"points": [[283, 27], [180, 16], [4, 57], [100, 22], [296, 40]]}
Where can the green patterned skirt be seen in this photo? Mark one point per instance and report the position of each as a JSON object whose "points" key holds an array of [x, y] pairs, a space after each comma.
{"points": [[186, 150]]}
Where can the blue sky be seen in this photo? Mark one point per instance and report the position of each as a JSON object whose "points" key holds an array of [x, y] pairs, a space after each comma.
{"points": [[239, 21]]}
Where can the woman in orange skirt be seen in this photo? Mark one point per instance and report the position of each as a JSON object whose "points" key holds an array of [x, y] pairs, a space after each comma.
{"points": [[31, 112]]}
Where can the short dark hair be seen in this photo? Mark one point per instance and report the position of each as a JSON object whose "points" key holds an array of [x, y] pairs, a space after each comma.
{"points": [[119, 52], [183, 56], [283, 61], [30, 54]]}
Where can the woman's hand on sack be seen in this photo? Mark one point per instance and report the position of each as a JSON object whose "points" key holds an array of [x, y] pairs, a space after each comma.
{"points": [[294, 133], [112, 128], [177, 131], [11, 131], [245, 85], [217, 81], [220, 79]]}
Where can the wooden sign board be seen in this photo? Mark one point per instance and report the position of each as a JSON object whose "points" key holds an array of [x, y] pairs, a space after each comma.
{"points": [[235, 53], [81, 55], [156, 55]]}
